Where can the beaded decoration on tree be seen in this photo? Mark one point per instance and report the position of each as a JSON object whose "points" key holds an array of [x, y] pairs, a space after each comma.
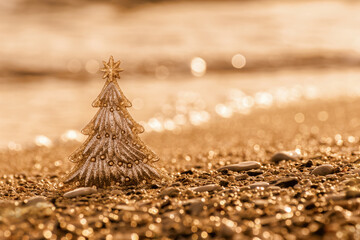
{"points": [[113, 152]]}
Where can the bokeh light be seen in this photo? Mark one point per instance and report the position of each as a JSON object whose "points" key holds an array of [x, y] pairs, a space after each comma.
{"points": [[223, 110], [92, 66], [238, 61], [43, 141], [198, 67], [72, 135]]}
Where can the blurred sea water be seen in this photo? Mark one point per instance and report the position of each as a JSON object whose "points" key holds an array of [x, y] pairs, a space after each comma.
{"points": [[62, 37]]}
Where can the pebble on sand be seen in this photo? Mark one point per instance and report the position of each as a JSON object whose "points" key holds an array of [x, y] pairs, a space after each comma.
{"points": [[336, 197], [285, 155], [125, 208], [287, 182], [323, 170], [356, 171], [194, 206], [243, 166], [80, 192], [170, 191], [35, 200], [352, 193], [206, 188], [259, 185], [241, 177]]}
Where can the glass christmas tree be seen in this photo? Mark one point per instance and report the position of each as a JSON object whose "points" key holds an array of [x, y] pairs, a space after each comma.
{"points": [[113, 152]]}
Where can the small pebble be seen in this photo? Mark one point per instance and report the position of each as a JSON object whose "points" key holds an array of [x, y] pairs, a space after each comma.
{"points": [[125, 208], [259, 185], [254, 172], [176, 184], [285, 155], [187, 172], [226, 231], [241, 177], [243, 166], [170, 191], [80, 192], [356, 171], [206, 188], [35, 200], [287, 182], [224, 183], [323, 170], [261, 202], [352, 194], [336, 197], [154, 186], [308, 164], [357, 160], [194, 206], [274, 188], [351, 182]]}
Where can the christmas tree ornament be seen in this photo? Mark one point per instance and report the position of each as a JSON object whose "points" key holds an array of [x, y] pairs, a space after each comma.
{"points": [[113, 153]]}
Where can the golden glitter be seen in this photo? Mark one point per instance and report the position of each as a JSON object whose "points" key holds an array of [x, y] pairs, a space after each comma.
{"points": [[105, 105], [98, 137], [204, 234], [148, 233], [113, 137], [120, 163], [107, 135], [70, 227], [105, 220], [68, 236], [129, 165], [47, 234], [87, 232], [194, 237], [127, 179], [111, 163], [92, 159], [137, 162], [117, 108], [134, 236], [111, 109], [122, 132], [102, 157], [153, 210]]}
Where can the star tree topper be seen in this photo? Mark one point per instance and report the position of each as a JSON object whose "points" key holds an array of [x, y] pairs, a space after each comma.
{"points": [[111, 69]]}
